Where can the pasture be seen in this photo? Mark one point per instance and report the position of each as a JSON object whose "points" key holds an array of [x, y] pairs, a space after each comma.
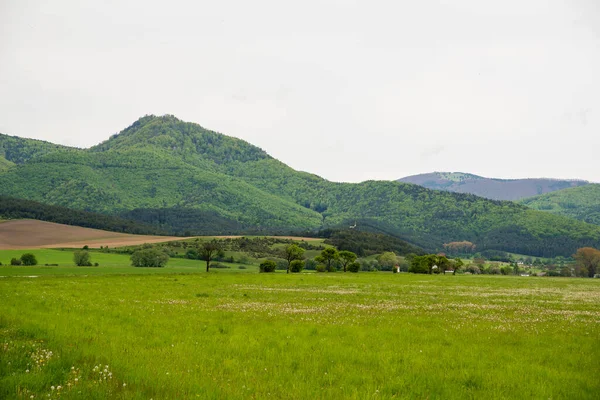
{"points": [[299, 336]]}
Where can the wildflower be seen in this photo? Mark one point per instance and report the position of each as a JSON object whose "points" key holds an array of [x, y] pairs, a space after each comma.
{"points": [[124, 384], [51, 387], [26, 371]]}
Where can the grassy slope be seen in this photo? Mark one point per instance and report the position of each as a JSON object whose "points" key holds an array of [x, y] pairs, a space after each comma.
{"points": [[582, 203], [314, 336], [164, 162]]}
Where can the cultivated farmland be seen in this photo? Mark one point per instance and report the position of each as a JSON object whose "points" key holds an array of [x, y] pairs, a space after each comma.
{"points": [[28, 234], [301, 336]]}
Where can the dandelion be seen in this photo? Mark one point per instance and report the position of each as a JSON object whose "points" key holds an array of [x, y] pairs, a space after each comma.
{"points": [[27, 371], [52, 388], [124, 384]]}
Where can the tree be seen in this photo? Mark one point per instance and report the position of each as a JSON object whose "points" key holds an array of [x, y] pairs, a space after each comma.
{"points": [[82, 258], [209, 251], [458, 264], [15, 261], [589, 259], [268, 266], [28, 259], [387, 260], [354, 266], [347, 258], [152, 257], [296, 266], [328, 256], [291, 253], [423, 264]]}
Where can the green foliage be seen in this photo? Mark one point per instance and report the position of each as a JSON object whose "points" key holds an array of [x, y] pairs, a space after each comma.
{"points": [[15, 261], [28, 259], [328, 257], [354, 267], [367, 243], [209, 251], [179, 177], [582, 203], [82, 258], [13, 208], [291, 253], [17, 150], [296, 266], [388, 260], [268, 266], [346, 258], [150, 257], [423, 264]]}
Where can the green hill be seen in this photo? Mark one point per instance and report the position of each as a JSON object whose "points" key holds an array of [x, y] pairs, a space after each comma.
{"points": [[490, 188], [169, 173], [582, 203], [18, 150]]}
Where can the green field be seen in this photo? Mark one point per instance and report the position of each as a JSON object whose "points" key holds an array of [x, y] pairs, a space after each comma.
{"points": [[108, 264], [302, 336]]}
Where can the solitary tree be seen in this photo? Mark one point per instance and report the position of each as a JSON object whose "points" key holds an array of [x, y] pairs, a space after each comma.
{"points": [[588, 258], [328, 256], [347, 258], [28, 259], [82, 258], [291, 253], [296, 266], [387, 260], [209, 251], [268, 266], [149, 257]]}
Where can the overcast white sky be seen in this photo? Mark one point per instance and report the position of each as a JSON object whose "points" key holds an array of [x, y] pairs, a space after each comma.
{"points": [[349, 90]]}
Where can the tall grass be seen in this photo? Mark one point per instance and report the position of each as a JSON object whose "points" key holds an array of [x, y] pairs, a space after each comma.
{"points": [[301, 336]]}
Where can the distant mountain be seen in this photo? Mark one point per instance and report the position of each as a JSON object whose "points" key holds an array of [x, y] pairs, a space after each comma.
{"points": [[178, 176], [582, 203], [490, 188]]}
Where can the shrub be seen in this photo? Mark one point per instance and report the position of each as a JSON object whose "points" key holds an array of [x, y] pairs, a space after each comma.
{"points": [[28, 259], [219, 265], [268, 266], [149, 258], [15, 261], [321, 268], [96, 264], [310, 264], [354, 267], [82, 258], [242, 267], [296, 266]]}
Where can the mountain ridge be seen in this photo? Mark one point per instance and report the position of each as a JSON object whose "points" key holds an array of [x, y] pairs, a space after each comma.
{"points": [[491, 188], [173, 168]]}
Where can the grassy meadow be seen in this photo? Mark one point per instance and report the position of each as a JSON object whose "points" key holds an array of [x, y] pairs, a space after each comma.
{"points": [[109, 263], [300, 336]]}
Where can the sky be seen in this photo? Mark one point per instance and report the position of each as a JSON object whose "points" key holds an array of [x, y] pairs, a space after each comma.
{"points": [[348, 90]]}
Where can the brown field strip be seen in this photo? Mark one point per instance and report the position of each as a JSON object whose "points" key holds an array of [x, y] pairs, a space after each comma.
{"points": [[32, 234]]}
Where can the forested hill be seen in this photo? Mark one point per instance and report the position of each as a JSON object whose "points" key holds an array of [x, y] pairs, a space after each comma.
{"points": [[495, 189], [16, 150], [11, 208], [166, 173], [582, 203]]}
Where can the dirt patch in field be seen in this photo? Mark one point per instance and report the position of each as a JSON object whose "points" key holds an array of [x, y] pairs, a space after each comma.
{"points": [[32, 234]]}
